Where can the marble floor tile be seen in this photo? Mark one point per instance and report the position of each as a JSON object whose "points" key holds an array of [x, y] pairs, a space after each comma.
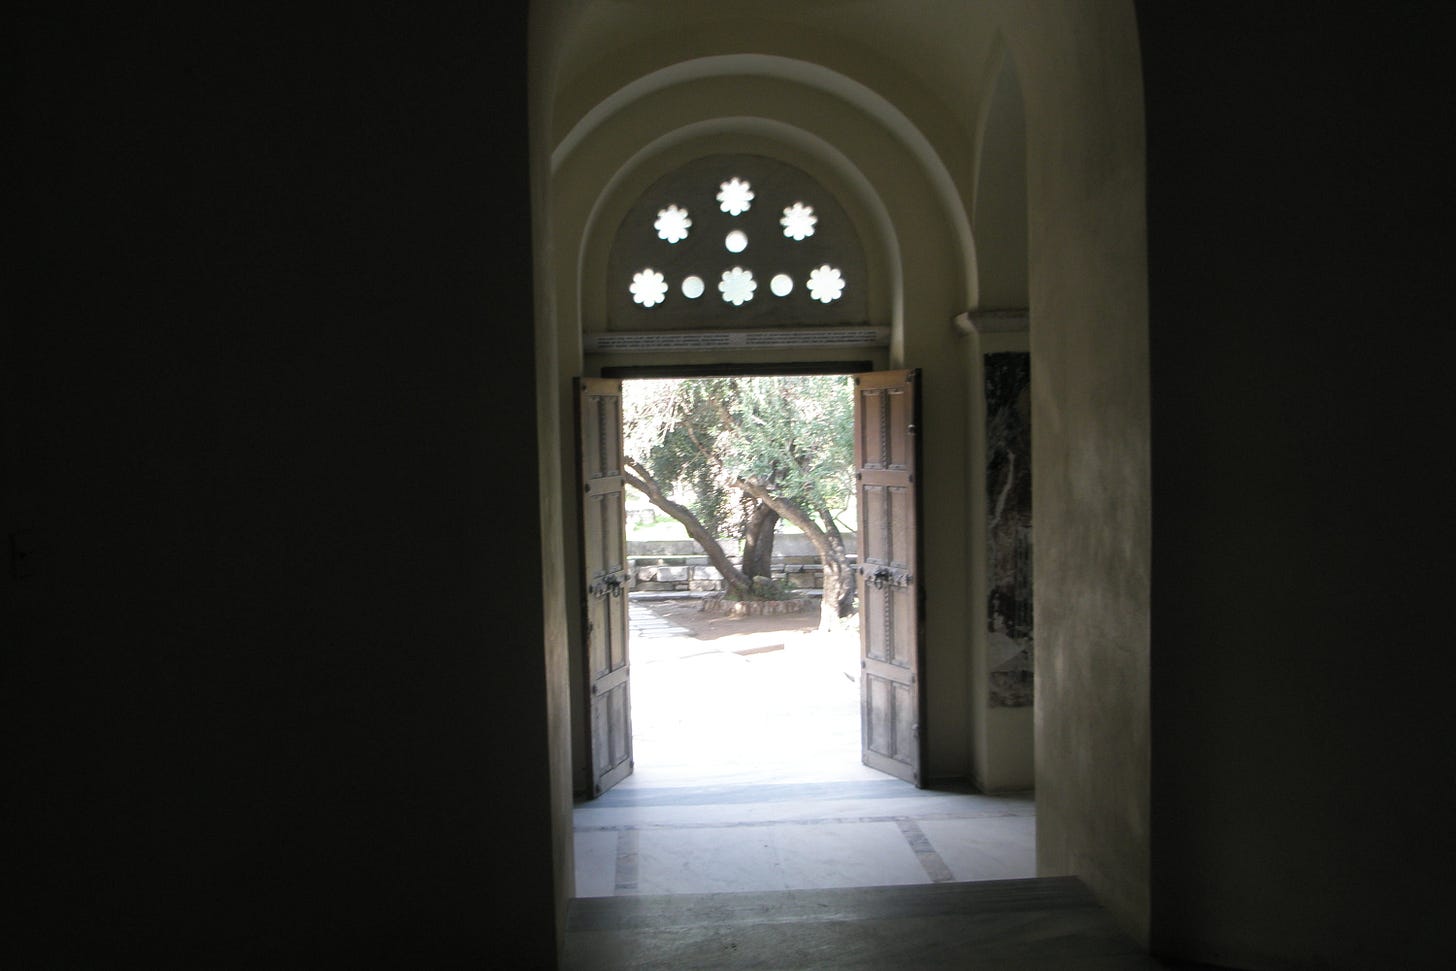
{"points": [[748, 778], [846, 855], [596, 863], [708, 860], [988, 848]]}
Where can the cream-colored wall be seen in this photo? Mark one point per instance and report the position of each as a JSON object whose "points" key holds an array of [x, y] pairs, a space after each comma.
{"points": [[1090, 445], [544, 26], [1002, 744]]}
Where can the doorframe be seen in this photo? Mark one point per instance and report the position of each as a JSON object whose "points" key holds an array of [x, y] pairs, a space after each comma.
{"points": [[580, 741], [717, 370]]}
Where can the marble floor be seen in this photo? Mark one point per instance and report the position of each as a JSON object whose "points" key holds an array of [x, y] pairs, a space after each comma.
{"points": [[750, 836], [748, 779]]}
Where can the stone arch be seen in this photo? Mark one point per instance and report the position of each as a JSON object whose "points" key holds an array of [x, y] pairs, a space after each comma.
{"points": [[692, 82]]}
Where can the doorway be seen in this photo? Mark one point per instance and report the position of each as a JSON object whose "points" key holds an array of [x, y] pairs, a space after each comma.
{"points": [[741, 528], [796, 483], [719, 815]]}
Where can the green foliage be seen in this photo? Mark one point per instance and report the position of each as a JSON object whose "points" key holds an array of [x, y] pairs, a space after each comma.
{"points": [[698, 436]]}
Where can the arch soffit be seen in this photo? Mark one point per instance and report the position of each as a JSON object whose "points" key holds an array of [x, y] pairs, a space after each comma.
{"points": [[645, 134]]}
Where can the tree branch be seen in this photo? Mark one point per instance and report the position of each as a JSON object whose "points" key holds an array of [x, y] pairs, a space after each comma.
{"points": [[644, 483]]}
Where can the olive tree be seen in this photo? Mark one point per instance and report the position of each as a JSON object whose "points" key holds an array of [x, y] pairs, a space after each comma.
{"points": [[745, 453]]}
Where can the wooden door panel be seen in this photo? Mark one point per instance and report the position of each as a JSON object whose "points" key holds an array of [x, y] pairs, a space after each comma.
{"points": [[890, 589], [602, 517]]}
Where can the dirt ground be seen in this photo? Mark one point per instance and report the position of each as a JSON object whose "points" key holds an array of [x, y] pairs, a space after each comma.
{"points": [[718, 699], [711, 625], [745, 636]]}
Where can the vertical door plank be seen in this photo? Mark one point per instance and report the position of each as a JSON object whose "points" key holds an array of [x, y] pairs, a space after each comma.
{"points": [[891, 589], [602, 519]]}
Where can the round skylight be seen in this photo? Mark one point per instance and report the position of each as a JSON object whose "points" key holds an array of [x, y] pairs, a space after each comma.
{"points": [[693, 287], [781, 285], [736, 241]]}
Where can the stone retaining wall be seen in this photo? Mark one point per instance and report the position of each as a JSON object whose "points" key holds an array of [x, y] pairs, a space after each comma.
{"points": [[744, 608], [694, 574]]}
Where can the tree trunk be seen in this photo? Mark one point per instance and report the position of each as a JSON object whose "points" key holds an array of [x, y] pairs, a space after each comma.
{"points": [[758, 541], [739, 585], [839, 576], [839, 586]]}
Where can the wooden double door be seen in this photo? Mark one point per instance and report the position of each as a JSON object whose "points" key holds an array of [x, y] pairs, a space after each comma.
{"points": [[890, 589]]}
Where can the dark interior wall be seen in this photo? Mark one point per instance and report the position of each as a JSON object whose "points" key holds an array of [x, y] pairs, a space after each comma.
{"points": [[1301, 349], [272, 695]]}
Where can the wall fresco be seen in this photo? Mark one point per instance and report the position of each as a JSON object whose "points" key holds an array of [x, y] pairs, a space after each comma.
{"points": [[1008, 529]]}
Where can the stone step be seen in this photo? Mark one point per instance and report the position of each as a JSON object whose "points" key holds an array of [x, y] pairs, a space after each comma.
{"points": [[1042, 923]]}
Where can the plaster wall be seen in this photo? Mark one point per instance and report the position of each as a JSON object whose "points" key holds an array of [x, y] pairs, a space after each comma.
{"points": [[556, 592], [1079, 67], [1002, 742]]}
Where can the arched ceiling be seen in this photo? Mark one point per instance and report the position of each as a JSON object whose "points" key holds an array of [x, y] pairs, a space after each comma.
{"points": [[927, 56], [894, 63]]}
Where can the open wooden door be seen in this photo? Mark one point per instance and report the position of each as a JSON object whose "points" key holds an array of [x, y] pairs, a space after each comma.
{"points": [[604, 601], [891, 594]]}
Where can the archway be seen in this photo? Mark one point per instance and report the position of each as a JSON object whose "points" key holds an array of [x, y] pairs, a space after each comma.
{"points": [[890, 110]]}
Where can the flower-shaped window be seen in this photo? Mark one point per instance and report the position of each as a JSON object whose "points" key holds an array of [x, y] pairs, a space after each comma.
{"points": [[737, 286], [735, 196], [798, 221], [672, 224], [764, 236], [826, 284], [648, 288]]}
